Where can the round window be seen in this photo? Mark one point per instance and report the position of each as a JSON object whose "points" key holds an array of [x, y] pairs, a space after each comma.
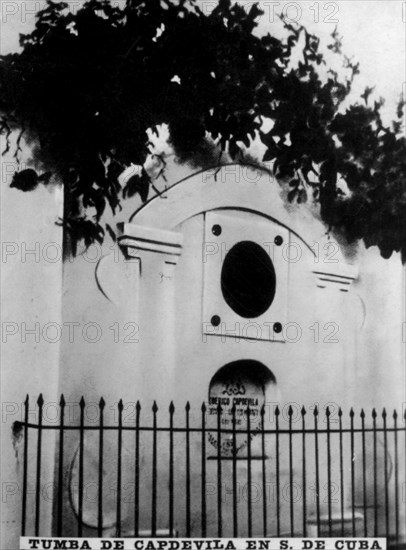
{"points": [[248, 280]]}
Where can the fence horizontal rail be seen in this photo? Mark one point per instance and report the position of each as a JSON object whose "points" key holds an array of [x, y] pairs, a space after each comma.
{"points": [[19, 425]]}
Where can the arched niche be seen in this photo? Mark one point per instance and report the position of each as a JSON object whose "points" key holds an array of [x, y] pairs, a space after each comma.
{"points": [[237, 387]]}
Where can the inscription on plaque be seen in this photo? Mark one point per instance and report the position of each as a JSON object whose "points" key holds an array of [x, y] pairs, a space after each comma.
{"points": [[242, 393]]}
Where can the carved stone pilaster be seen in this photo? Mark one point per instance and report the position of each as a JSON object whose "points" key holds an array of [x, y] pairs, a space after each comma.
{"points": [[157, 252]]}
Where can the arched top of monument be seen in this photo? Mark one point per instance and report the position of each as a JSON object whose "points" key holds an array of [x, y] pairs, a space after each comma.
{"points": [[230, 186]]}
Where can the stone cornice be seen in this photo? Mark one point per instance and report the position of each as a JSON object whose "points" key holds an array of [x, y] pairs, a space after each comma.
{"points": [[336, 275], [134, 238]]}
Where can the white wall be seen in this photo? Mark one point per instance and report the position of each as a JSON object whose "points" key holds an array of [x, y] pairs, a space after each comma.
{"points": [[31, 301], [174, 360]]}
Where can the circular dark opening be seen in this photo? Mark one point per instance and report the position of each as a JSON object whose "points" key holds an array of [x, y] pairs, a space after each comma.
{"points": [[216, 230], [215, 320], [277, 328], [248, 280]]}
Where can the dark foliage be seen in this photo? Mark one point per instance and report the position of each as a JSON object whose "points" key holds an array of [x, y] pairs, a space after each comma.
{"points": [[86, 87]]}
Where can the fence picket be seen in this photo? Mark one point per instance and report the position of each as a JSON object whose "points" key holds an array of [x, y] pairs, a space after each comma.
{"points": [[171, 413], [374, 415], [235, 496], [385, 446], [219, 476], [203, 471], [316, 452], [154, 470], [187, 409], [40, 403], [292, 520], [278, 497], [102, 404], [137, 470], [395, 433], [330, 530], [120, 407], [25, 467], [364, 469], [340, 427], [264, 491], [352, 472], [249, 472], [82, 405], [62, 404], [304, 506]]}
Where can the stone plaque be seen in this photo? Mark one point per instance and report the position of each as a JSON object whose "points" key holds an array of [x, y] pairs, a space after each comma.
{"points": [[243, 393]]}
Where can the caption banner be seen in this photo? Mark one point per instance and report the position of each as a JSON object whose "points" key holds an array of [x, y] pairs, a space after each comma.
{"points": [[65, 543]]}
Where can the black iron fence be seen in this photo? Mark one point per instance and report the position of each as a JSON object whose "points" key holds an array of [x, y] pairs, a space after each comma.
{"points": [[215, 471]]}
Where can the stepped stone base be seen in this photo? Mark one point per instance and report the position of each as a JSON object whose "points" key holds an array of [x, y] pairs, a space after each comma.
{"points": [[339, 527]]}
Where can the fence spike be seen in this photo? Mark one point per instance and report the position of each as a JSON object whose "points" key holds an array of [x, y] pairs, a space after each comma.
{"points": [[316, 411], [328, 411], [26, 399], [120, 405], [384, 413], [138, 406], [277, 411], [203, 407], [290, 410], [362, 414], [340, 412], [303, 410], [82, 402], [102, 403], [62, 401], [374, 415], [171, 407], [154, 407], [395, 414], [187, 407], [40, 400], [352, 413]]}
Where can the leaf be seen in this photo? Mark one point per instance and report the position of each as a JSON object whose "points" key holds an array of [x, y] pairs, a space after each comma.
{"points": [[138, 184], [114, 169], [368, 91], [112, 234], [26, 180], [269, 155], [45, 177], [100, 204], [301, 196]]}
